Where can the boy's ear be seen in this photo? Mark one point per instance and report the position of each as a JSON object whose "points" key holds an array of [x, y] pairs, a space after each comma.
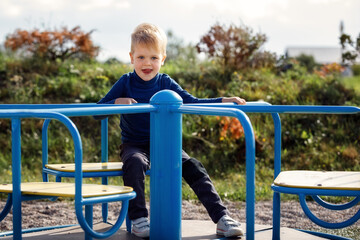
{"points": [[163, 60], [131, 58]]}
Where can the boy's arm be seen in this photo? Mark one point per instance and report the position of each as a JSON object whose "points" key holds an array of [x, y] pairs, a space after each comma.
{"points": [[125, 101], [115, 92], [117, 101], [112, 97], [188, 98], [237, 100]]}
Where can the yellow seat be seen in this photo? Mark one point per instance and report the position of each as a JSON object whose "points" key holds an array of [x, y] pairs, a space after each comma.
{"points": [[59, 189], [87, 167], [338, 180]]}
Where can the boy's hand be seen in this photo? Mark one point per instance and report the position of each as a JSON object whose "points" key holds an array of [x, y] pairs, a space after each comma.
{"points": [[237, 100], [125, 101]]}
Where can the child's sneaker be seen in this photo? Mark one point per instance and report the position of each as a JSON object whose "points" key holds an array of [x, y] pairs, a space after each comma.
{"points": [[228, 227], [141, 227]]}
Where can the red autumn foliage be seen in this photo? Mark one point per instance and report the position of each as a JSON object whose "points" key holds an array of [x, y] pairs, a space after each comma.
{"points": [[51, 45], [236, 47], [232, 127], [329, 69]]}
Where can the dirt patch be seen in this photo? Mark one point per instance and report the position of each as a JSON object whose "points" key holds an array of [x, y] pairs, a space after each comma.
{"points": [[47, 213]]}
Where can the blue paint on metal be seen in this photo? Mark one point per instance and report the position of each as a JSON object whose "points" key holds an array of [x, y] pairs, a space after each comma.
{"points": [[16, 115], [166, 109], [16, 175], [250, 155], [325, 224], [166, 166], [45, 148], [325, 235], [31, 230], [6, 208], [89, 220], [337, 207], [104, 158]]}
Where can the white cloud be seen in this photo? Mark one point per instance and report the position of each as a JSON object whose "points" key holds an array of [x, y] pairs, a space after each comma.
{"points": [[9, 9], [101, 4], [285, 22]]}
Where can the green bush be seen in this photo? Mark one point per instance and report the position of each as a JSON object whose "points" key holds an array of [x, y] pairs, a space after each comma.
{"points": [[356, 69], [309, 141]]}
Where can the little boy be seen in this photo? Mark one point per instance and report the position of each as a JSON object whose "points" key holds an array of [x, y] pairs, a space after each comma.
{"points": [[148, 53]]}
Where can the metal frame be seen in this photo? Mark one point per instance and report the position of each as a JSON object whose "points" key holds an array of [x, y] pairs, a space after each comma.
{"points": [[275, 110], [16, 196], [164, 105], [302, 192], [165, 109]]}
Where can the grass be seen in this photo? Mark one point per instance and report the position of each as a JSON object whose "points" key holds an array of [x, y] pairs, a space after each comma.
{"points": [[352, 82]]}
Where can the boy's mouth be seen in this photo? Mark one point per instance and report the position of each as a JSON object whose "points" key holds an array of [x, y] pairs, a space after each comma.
{"points": [[146, 71]]}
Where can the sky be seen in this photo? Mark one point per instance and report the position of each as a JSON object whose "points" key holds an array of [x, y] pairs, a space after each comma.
{"points": [[286, 23]]}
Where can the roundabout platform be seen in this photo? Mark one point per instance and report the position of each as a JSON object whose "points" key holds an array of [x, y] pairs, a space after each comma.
{"points": [[191, 230]]}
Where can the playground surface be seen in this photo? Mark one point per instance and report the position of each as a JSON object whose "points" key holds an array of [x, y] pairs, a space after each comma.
{"points": [[191, 230]]}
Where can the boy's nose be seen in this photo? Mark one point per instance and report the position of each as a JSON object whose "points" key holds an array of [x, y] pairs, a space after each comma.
{"points": [[147, 62]]}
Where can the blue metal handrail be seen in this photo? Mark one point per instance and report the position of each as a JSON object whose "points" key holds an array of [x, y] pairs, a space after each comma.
{"points": [[59, 111], [250, 155], [275, 110], [167, 106], [16, 116]]}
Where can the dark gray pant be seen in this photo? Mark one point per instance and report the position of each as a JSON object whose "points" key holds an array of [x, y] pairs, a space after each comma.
{"points": [[136, 161]]}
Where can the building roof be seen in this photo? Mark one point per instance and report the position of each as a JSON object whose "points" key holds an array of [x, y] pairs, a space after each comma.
{"points": [[323, 55]]}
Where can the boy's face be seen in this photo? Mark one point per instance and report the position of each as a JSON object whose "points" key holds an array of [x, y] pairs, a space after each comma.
{"points": [[147, 61]]}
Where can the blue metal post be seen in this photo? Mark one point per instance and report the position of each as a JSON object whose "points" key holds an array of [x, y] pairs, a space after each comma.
{"points": [[104, 140], [166, 167], [104, 158], [89, 220], [45, 148], [16, 177], [277, 169]]}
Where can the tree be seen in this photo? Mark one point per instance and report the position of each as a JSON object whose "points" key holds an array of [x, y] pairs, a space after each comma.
{"points": [[351, 48], [52, 45], [235, 47], [307, 61], [176, 49]]}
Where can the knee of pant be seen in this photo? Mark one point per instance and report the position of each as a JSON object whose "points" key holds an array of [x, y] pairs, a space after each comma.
{"points": [[135, 164], [193, 170]]}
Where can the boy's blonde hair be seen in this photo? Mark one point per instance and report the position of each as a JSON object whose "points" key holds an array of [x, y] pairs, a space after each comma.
{"points": [[149, 35]]}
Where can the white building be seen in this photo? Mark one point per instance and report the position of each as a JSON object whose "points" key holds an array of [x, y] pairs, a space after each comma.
{"points": [[322, 55]]}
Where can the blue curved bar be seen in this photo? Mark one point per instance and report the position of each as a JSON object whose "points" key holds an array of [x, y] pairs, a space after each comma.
{"points": [[325, 224], [6, 208], [90, 201], [16, 115], [325, 235], [332, 206], [250, 155]]}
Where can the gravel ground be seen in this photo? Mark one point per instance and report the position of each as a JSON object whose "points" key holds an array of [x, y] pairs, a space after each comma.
{"points": [[46, 213]]}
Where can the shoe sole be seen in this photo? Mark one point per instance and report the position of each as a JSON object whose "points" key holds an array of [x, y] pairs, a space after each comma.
{"points": [[141, 235], [233, 233]]}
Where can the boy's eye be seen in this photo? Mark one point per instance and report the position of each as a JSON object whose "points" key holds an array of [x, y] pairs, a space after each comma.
{"points": [[154, 58], [141, 57]]}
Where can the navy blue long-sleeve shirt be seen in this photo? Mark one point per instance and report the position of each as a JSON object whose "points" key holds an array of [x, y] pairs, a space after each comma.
{"points": [[136, 127]]}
